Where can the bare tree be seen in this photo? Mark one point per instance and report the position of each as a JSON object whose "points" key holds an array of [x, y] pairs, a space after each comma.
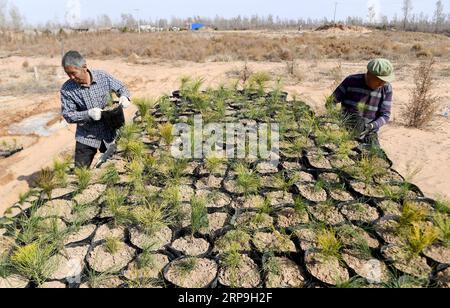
{"points": [[371, 14], [3, 4], [439, 16], [423, 104], [104, 21], [16, 18], [128, 21], [163, 23], [407, 9], [384, 21]]}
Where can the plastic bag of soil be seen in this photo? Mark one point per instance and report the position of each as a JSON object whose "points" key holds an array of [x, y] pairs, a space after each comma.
{"points": [[113, 116], [8, 153]]}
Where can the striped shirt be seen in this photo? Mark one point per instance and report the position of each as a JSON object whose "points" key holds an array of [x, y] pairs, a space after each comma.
{"points": [[76, 100], [374, 106]]}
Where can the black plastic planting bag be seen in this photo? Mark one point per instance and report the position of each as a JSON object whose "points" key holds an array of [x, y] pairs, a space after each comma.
{"points": [[113, 117], [8, 153]]}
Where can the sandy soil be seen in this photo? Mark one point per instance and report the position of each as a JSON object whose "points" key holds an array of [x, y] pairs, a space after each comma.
{"points": [[424, 150]]}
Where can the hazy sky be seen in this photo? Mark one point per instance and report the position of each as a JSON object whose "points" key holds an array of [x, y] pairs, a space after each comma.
{"points": [[40, 11]]}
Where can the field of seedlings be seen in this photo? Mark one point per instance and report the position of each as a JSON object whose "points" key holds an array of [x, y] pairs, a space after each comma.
{"points": [[333, 213]]}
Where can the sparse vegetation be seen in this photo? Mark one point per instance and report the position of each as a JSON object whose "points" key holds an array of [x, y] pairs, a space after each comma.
{"points": [[129, 142], [185, 267], [236, 205], [404, 282], [60, 169], [281, 182], [133, 149], [366, 168], [213, 163], [146, 258], [46, 181], [151, 217], [396, 193], [110, 176], [423, 104], [329, 243], [83, 178], [32, 261], [115, 202], [136, 173], [97, 280], [442, 223], [112, 245], [270, 48], [165, 131], [247, 180], [353, 283], [258, 82], [411, 214], [144, 105], [199, 216], [420, 237]]}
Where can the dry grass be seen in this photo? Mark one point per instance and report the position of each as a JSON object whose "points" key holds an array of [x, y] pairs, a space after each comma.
{"points": [[232, 46], [36, 79], [294, 71], [337, 74], [423, 105], [30, 86]]}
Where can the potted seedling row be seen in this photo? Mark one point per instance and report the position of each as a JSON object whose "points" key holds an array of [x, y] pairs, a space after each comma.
{"points": [[332, 212]]}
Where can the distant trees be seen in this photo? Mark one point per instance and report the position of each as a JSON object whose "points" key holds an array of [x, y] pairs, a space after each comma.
{"points": [[11, 18], [104, 21], [128, 21], [439, 16], [3, 13], [371, 14], [407, 9], [16, 19]]}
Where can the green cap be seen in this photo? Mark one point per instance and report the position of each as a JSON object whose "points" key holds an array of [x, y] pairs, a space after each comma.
{"points": [[382, 68]]}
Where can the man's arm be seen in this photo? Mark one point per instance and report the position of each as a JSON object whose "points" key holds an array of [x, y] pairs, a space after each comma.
{"points": [[338, 95], [384, 111], [118, 87], [70, 112]]}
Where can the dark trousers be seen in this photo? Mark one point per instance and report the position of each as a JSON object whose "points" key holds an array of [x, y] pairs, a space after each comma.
{"points": [[84, 154]]}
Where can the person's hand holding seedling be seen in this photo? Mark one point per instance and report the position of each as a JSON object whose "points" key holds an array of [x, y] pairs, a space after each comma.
{"points": [[368, 128], [124, 101], [95, 114]]}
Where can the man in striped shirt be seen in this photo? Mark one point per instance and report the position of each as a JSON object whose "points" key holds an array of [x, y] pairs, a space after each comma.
{"points": [[83, 98], [367, 99]]}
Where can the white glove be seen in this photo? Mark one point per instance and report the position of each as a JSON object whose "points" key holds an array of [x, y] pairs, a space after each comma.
{"points": [[95, 114], [368, 128], [124, 101]]}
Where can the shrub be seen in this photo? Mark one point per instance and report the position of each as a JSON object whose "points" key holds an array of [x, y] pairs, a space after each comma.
{"points": [[32, 261], [422, 105], [83, 178], [46, 181]]}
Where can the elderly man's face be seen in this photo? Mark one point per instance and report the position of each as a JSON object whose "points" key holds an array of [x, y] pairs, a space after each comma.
{"points": [[77, 74], [374, 82]]}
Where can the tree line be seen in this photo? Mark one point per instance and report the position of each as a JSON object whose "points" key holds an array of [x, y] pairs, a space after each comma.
{"points": [[12, 19]]}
